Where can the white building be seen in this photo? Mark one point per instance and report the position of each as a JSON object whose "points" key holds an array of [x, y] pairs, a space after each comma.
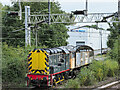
{"points": [[88, 36]]}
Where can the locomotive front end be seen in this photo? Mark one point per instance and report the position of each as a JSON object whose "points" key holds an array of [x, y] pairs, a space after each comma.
{"points": [[38, 68]]}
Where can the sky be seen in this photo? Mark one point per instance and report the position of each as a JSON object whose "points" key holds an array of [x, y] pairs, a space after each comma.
{"points": [[109, 6], [94, 6]]}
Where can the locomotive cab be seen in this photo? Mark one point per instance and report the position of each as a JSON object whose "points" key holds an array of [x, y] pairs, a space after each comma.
{"points": [[38, 68]]}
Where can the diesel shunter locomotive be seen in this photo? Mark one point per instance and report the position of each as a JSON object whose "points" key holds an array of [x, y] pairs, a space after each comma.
{"points": [[48, 67]]}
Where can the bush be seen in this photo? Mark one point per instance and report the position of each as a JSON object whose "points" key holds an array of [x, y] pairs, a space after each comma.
{"points": [[103, 69], [73, 83], [114, 53], [13, 64], [86, 77], [112, 67], [98, 68], [98, 71]]}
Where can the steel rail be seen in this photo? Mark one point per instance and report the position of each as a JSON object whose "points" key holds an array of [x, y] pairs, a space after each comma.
{"points": [[108, 85]]}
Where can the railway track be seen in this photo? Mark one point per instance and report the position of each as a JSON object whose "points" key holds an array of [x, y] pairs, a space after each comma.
{"points": [[115, 85], [26, 88]]}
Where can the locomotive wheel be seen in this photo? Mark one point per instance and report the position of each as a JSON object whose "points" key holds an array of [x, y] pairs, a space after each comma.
{"points": [[60, 76], [74, 74], [77, 72], [56, 79], [54, 82], [66, 76], [71, 74]]}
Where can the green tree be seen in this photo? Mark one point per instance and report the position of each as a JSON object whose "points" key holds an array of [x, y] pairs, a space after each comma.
{"points": [[14, 65], [114, 42], [53, 36], [1, 10], [45, 37], [10, 24], [114, 33]]}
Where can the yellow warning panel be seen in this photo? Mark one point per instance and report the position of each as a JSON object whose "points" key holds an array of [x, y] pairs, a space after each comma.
{"points": [[34, 60], [39, 62]]}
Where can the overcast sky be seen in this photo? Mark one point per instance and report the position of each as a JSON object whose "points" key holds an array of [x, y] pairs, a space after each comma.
{"points": [[93, 5]]}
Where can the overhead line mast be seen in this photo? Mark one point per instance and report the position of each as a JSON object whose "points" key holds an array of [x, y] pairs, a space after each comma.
{"points": [[119, 34], [49, 12], [86, 7], [20, 12]]}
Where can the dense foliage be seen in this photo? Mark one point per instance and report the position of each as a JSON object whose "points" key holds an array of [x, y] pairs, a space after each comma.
{"points": [[13, 65], [114, 41], [53, 35], [114, 53], [114, 33], [96, 72]]}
